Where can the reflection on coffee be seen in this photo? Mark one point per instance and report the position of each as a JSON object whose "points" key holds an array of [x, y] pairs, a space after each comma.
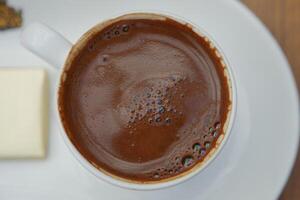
{"points": [[145, 100]]}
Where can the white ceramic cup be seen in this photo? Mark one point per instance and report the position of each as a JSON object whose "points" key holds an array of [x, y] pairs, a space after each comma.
{"points": [[56, 50]]}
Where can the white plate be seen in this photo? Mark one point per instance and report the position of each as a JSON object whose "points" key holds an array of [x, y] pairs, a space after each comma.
{"points": [[256, 161]]}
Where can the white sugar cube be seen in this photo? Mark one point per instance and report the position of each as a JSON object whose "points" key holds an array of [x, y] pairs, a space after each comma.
{"points": [[23, 113]]}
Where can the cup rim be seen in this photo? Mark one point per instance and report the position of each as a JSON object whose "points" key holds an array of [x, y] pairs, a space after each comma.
{"points": [[182, 177]]}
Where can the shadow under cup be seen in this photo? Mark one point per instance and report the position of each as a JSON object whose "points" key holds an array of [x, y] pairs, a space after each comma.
{"points": [[217, 144]]}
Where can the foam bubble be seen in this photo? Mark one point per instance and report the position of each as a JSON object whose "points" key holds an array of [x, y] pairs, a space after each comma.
{"points": [[168, 120], [161, 109], [187, 161], [125, 28], [217, 125], [215, 133], [104, 58], [202, 151], [207, 144], [196, 147], [156, 175]]}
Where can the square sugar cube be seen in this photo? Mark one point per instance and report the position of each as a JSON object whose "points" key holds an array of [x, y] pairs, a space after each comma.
{"points": [[23, 113]]}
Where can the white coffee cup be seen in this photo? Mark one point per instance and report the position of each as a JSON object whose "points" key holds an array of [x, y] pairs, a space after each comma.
{"points": [[56, 50]]}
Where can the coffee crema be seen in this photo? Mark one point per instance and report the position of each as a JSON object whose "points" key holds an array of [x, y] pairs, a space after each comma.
{"points": [[145, 100]]}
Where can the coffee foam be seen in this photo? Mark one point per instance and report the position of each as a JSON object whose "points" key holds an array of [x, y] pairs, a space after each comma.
{"points": [[185, 158]]}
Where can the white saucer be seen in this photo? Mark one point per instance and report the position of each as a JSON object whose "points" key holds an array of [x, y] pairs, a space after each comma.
{"points": [[256, 161]]}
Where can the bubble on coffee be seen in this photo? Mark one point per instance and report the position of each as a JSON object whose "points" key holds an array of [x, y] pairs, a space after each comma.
{"points": [[215, 133], [187, 161], [144, 98], [154, 101], [217, 125], [116, 31], [196, 147], [202, 151]]}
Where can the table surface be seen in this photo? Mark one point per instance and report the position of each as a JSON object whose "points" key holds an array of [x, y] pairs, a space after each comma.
{"points": [[282, 17]]}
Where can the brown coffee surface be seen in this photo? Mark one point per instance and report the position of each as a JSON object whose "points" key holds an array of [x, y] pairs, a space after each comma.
{"points": [[145, 100]]}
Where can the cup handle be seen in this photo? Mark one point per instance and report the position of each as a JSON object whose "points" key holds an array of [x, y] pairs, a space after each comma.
{"points": [[46, 43]]}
